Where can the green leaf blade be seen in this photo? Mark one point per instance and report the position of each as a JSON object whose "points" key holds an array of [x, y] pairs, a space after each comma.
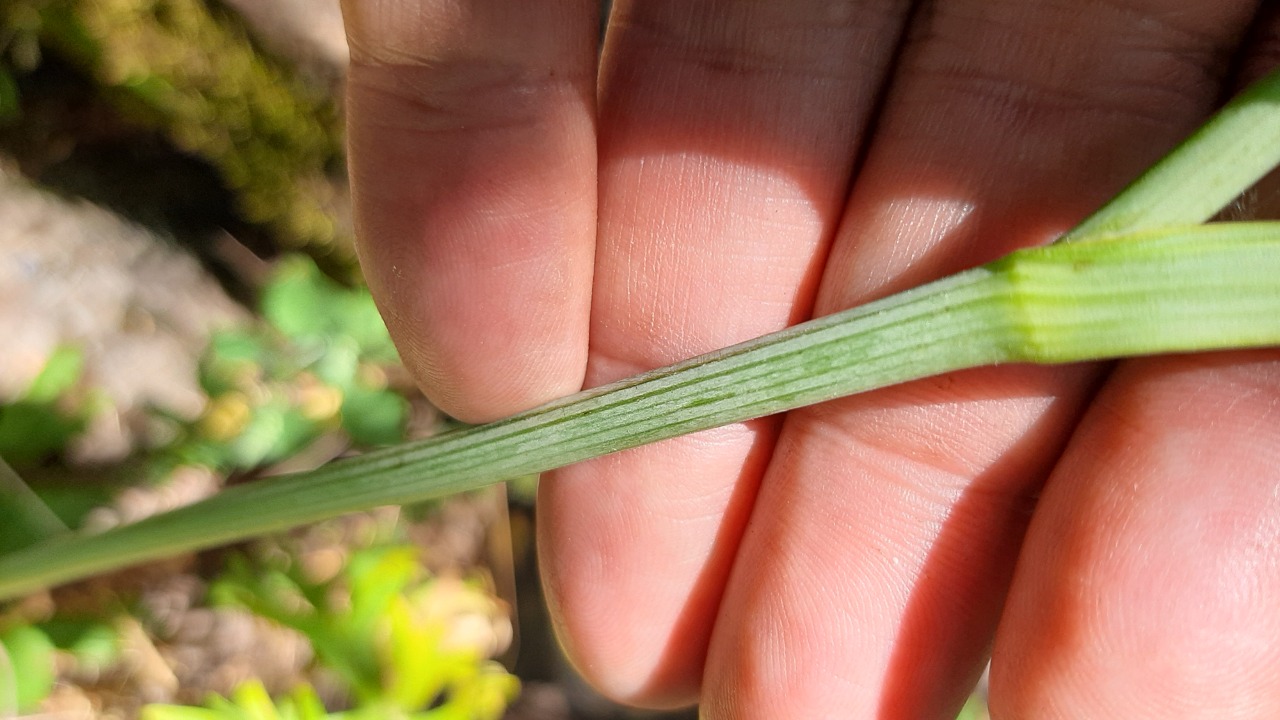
{"points": [[1204, 174], [1190, 289]]}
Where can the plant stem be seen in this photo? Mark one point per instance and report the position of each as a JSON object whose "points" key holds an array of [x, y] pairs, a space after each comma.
{"points": [[1132, 284], [1226, 156], [1185, 289], [24, 517]]}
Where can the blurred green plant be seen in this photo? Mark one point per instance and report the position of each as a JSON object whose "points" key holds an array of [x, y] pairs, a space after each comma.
{"points": [[317, 364], [402, 643], [190, 69], [29, 655], [250, 701], [405, 645], [19, 54], [26, 669], [25, 517], [47, 415]]}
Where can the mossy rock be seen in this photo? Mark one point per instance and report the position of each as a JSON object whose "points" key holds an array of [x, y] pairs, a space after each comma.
{"points": [[190, 69]]}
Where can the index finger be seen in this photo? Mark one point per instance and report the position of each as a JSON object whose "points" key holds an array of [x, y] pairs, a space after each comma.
{"points": [[471, 131]]}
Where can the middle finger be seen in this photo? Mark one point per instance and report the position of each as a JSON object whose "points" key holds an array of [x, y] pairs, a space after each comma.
{"points": [[727, 136], [888, 523]]}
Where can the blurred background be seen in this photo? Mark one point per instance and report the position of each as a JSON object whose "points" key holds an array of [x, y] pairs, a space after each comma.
{"points": [[181, 310]]}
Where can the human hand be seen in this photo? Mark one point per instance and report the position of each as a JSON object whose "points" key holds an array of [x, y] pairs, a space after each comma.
{"points": [[1117, 531]]}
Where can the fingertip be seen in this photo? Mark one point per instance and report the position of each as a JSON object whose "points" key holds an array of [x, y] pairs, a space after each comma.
{"points": [[479, 389], [634, 571], [1146, 585], [484, 342], [471, 136]]}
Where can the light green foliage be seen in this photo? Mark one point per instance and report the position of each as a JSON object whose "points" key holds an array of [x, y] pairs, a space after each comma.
{"points": [[61, 371], [342, 329], [191, 71], [46, 416], [26, 669], [250, 701], [385, 628], [405, 644], [316, 365], [310, 309], [92, 642], [28, 652]]}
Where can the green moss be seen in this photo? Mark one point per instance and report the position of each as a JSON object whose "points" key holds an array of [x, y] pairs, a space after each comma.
{"points": [[190, 69]]}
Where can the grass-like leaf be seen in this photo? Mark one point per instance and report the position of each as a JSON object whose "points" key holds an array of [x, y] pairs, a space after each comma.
{"points": [[1227, 155], [24, 518], [1143, 278]]}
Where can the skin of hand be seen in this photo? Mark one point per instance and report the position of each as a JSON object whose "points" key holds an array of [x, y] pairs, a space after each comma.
{"points": [[537, 212]]}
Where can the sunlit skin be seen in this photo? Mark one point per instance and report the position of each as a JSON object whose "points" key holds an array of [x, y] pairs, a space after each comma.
{"points": [[531, 222]]}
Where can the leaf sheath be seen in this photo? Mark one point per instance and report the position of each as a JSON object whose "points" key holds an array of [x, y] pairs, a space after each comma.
{"points": [[1184, 289]]}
